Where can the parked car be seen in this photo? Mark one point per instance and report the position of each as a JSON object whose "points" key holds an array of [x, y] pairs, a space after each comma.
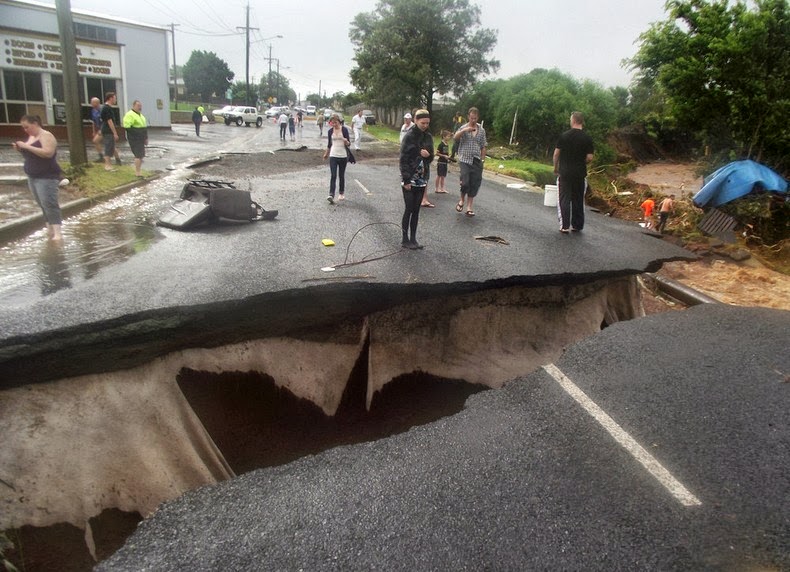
{"points": [[310, 109], [277, 111], [370, 118], [221, 112], [243, 115], [273, 111]]}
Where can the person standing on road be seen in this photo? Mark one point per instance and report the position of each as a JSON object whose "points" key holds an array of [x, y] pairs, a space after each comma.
{"points": [[471, 151], [319, 120], [407, 124], [357, 123], [573, 151], [137, 134], [109, 130], [43, 172], [292, 126], [283, 121], [442, 152], [338, 141], [416, 154], [197, 119]]}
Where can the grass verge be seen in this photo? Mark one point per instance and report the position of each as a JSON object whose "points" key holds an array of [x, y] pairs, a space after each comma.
{"points": [[92, 181]]}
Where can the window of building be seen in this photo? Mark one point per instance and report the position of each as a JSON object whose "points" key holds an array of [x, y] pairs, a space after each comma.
{"points": [[93, 32], [14, 84], [58, 93], [21, 93], [97, 87]]}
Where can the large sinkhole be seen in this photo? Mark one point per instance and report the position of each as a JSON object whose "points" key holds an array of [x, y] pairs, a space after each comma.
{"points": [[256, 424], [87, 456]]}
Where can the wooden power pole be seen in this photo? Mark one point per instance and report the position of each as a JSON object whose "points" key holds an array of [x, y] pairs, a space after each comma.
{"points": [[68, 54]]}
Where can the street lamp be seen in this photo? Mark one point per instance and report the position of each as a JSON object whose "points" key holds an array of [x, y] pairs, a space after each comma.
{"points": [[270, 53], [278, 77]]}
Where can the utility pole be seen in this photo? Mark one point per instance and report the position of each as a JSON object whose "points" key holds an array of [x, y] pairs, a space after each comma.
{"points": [[175, 67], [68, 55], [247, 29]]}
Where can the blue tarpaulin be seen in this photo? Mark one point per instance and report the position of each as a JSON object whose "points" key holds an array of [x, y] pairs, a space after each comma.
{"points": [[736, 180]]}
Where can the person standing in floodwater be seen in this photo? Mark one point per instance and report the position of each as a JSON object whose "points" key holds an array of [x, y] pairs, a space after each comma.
{"points": [[40, 151]]}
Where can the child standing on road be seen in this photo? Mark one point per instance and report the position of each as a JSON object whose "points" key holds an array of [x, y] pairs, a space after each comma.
{"points": [[667, 206], [442, 152]]}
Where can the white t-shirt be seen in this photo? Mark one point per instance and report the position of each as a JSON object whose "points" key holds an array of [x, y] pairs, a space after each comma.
{"points": [[357, 122], [338, 149], [403, 129], [283, 118]]}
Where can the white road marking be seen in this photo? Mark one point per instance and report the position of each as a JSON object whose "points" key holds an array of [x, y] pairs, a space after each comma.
{"points": [[367, 192], [655, 468]]}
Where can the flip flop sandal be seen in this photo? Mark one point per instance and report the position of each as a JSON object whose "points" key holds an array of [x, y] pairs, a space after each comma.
{"points": [[470, 213], [459, 207], [428, 205]]}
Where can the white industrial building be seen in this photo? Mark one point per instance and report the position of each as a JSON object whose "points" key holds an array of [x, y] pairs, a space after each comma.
{"points": [[113, 54]]}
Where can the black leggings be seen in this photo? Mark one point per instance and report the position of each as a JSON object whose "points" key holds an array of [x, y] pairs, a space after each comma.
{"points": [[411, 216]]}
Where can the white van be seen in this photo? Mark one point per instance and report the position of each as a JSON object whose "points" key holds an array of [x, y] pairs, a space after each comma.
{"points": [[310, 109]]}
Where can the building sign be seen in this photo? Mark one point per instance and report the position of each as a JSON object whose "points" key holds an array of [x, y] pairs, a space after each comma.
{"points": [[31, 53]]}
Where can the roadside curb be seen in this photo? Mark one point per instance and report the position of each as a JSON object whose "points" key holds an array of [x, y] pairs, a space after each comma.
{"points": [[25, 225]]}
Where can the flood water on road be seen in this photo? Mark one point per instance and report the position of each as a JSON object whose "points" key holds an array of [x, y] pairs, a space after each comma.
{"points": [[107, 233]]}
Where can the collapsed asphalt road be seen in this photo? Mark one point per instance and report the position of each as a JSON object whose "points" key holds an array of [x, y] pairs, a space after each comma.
{"points": [[526, 478]]}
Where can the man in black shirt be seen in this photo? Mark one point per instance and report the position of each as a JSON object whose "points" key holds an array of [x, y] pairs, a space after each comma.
{"points": [[574, 150], [109, 130]]}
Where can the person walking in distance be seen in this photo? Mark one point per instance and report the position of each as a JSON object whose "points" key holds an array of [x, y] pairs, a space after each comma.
{"points": [[283, 121], [109, 130], [416, 154], [407, 124], [197, 119], [573, 151], [338, 140], [471, 138], [43, 172], [137, 134], [319, 121], [357, 123], [98, 138]]}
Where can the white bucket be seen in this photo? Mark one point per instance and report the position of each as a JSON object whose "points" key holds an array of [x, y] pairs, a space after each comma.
{"points": [[551, 196]]}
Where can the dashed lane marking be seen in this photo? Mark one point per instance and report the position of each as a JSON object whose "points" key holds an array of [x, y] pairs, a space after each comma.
{"points": [[655, 468]]}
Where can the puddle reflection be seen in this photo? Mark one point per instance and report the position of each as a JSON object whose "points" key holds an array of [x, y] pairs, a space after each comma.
{"points": [[106, 234]]}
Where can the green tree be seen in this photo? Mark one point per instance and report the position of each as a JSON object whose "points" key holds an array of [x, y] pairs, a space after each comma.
{"points": [[724, 69], [277, 87], [205, 75], [408, 50]]}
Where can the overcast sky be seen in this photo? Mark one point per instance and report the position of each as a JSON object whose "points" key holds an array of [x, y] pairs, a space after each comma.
{"points": [[586, 40]]}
